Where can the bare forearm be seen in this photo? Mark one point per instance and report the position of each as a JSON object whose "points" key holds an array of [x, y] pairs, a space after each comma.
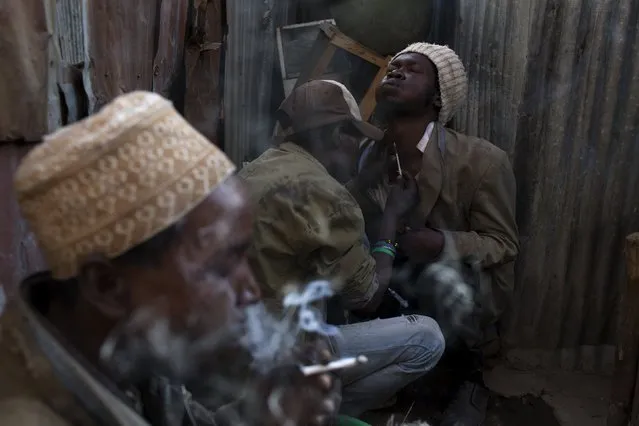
{"points": [[383, 262]]}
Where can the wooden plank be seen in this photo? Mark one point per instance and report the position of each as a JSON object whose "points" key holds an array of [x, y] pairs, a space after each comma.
{"points": [[344, 42], [368, 103], [202, 103], [169, 57], [120, 38], [27, 75]]}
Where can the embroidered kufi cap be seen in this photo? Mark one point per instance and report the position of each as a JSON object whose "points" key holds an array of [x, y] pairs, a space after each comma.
{"points": [[115, 179]]}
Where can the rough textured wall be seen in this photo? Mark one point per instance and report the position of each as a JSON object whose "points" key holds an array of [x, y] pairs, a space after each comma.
{"points": [[120, 42], [556, 84], [203, 57], [27, 92], [19, 254]]}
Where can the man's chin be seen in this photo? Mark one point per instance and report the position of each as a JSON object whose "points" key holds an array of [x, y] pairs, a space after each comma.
{"points": [[390, 104]]}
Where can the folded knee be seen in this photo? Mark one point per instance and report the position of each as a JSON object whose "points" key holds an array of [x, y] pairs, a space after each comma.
{"points": [[426, 345]]}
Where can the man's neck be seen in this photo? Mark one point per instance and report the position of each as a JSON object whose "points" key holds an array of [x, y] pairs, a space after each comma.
{"points": [[83, 328], [405, 131]]}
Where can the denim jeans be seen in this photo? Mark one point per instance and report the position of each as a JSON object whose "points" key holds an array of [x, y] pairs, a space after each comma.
{"points": [[400, 350]]}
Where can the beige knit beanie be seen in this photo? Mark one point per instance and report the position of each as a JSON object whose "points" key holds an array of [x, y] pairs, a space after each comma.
{"points": [[453, 83]]}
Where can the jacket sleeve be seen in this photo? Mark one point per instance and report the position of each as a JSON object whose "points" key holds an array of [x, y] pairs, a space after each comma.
{"points": [[493, 238], [321, 232]]}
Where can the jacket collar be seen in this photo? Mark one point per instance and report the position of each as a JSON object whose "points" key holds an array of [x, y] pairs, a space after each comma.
{"points": [[430, 178], [300, 152]]}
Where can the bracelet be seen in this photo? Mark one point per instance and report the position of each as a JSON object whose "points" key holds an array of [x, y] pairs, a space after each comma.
{"points": [[386, 245], [385, 250], [388, 242]]}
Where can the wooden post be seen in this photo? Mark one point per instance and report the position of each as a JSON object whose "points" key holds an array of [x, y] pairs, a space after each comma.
{"points": [[624, 401], [367, 105]]}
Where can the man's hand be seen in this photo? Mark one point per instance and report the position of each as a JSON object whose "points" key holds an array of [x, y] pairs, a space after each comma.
{"points": [[421, 245], [286, 396], [403, 196], [374, 169]]}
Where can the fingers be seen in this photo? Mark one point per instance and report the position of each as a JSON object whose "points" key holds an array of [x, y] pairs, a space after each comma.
{"points": [[325, 382], [316, 352], [327, 408], [303, 400], [406, 180]]}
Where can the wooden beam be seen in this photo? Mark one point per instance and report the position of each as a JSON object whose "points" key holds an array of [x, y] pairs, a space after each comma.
{"points": [[368, 103], [321, 55], [624, 401], [342, 41]]}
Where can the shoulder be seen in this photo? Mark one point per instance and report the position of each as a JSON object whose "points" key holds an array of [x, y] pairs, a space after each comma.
{"points": [[481, 153], [316, 194], [260, 164]]}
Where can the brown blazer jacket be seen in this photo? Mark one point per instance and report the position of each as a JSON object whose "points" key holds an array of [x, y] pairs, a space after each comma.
{"points": [[467, 190]]}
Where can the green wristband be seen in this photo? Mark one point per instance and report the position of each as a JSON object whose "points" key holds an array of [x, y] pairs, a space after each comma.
{"points": [[384, 250]]}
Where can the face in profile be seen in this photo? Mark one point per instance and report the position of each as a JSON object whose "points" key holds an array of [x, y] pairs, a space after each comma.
{"points": [[410, 83], [343, 162], [182, 315]]}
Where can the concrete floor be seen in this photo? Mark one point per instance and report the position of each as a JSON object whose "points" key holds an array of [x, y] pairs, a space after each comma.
{"points": [[578, 399]]}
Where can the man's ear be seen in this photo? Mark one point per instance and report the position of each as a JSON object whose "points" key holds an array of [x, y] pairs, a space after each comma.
{"points": [[102, 287]]}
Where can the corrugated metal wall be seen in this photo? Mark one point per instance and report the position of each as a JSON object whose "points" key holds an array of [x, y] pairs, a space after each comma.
{"points": [[248, 76], [70, 31], [556, 84]]}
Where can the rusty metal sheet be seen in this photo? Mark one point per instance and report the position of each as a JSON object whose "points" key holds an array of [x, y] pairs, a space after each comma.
{"points": [[556, 84], [202, 63], [170, 51], [19, 255], [26, 32], [120, 43], [248, 75]]}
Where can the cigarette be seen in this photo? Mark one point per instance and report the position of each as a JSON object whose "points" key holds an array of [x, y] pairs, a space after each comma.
{"points": [[399, 166], [397, 297], [311, 370]]}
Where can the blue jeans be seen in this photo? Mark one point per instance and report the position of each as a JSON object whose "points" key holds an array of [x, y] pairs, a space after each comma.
{"points": [[400, 350]]}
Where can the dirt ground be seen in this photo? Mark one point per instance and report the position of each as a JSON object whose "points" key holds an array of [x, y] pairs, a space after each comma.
{"points": [[527, 410], [518, 399]]}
